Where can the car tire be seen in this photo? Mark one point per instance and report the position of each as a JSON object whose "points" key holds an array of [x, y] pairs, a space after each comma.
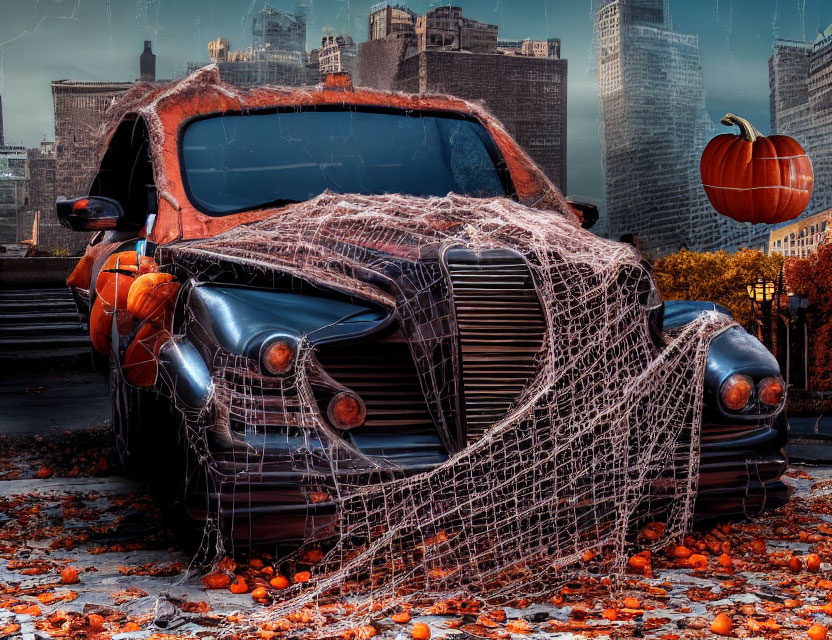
{"points": [[144, 423], [147, 434]]}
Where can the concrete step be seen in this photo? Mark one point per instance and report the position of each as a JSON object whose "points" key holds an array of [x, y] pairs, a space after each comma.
{"points": [[44, 343], [62, 297], [38, 318], [46, 329], [41, 325], [49, 356], [40, 306], [58, 291]]}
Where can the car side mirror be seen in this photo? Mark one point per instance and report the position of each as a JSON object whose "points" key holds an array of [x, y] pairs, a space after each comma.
{"points": [[589, 213], [92, 213]]}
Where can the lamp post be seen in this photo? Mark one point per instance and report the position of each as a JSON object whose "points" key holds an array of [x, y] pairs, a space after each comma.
{"points": [[761, 292]]}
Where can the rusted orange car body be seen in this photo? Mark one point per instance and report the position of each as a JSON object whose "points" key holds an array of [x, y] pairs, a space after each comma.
{"points": [[165, 110]]}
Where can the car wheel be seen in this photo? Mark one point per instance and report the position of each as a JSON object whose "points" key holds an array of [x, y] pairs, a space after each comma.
{"points": [[143, 422]]}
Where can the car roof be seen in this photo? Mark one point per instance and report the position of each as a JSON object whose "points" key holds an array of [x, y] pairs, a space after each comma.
{"points": [[166, 108]]}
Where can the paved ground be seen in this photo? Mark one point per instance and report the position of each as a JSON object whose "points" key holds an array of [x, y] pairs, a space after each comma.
{"points": [[63, 503], [39, 403], [810, 439]]}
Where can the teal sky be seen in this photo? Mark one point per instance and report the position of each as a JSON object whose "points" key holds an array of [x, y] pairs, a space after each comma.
{"points": [[45, 40]]}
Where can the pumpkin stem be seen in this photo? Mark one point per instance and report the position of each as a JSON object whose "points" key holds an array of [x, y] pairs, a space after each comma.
{"points": [[748, 130]]}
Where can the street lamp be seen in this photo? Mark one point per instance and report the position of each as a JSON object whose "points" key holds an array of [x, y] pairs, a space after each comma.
{"points": [[761, 292]]}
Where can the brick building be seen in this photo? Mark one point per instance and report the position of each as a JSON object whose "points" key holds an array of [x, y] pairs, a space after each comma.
{"points": [[527, 94], [801, 237], [290, 71], [79, 114], [379, 62], [337, 54], [394, 21], [38, 200], [40, 172], [445, 28], [549, 48], [13, 190]]}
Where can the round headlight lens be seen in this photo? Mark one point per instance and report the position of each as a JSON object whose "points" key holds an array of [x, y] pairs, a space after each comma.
{"points": [[346, 411], [771, 391], [277, 356], [736, 392]]}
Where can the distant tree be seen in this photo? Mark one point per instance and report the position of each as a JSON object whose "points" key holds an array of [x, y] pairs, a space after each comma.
{"points": [[719, 277], [811, 278]]}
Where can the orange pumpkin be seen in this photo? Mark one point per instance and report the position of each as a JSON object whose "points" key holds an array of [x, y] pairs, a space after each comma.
{"points": [[722, 625], [816, 632], [813, 562], [151, 296], [240, 586], [129, 261], [140, 359], [216, 580], [401, 618], [69, 575], [111, 297], [755, 178], [420, 631], [112, 289], [279, 582]]}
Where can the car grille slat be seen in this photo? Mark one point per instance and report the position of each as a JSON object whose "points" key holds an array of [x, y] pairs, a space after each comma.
{"points": [[384, 375], [501, 330]]}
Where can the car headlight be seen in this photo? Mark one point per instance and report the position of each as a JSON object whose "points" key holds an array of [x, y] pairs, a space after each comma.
{"points": [[277, 356], [736, 392], [346, 411], [771, 391]]}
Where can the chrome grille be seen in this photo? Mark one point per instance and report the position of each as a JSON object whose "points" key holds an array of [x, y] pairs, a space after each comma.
{"points": [[501, 330], [384, 375]]}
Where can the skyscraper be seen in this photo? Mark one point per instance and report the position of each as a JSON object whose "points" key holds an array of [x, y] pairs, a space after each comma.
{"points": [[800, 80], [276, 30], [655, 127]]}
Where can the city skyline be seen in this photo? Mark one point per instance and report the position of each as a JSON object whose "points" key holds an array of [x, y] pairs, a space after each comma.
{"points": [[654, 125], [100, 41]]}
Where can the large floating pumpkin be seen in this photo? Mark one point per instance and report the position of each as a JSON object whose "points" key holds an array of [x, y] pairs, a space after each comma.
{"points": [[755, 178]]}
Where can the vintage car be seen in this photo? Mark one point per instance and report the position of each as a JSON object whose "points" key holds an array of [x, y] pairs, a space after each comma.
{"points": [[198, 160]]}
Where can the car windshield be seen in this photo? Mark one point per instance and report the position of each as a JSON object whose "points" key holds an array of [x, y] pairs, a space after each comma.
{"points": [[241, 162]]}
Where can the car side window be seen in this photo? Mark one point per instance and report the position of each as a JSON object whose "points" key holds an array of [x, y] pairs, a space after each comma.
{"points": [[127, 169]]}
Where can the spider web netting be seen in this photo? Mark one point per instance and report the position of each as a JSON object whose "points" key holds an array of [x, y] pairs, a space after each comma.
{"points": [[599, 438]]}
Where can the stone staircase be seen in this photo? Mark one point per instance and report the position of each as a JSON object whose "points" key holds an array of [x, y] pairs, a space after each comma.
{"points": [[41, 324]]}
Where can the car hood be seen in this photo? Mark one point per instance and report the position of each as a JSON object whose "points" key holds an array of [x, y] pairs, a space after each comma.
{"points": [[360, 245], [391, 251]]}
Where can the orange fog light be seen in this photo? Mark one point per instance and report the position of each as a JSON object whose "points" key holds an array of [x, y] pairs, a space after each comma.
{"points": [[771, 391], [277, 356], [736, 392], [346, 411]]}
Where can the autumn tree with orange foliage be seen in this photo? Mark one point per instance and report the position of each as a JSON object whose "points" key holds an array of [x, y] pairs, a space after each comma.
{"points": [[811, 277], [719, 277]]}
